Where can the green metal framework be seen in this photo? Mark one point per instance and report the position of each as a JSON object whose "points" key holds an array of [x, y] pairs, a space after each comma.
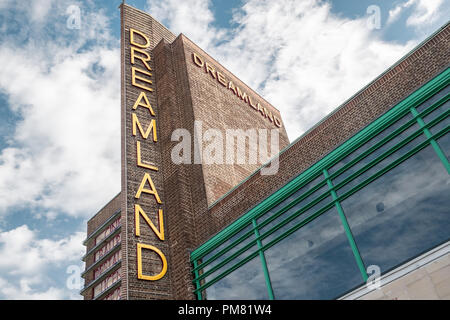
{"points": [[222, 267]]}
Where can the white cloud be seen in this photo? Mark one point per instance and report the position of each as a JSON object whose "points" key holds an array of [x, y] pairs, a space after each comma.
{"points": [[67, 147], [64, 155], [23, 291], [297, 54], [395, 12], [22, 253], [39, 9], [25, 259], [427, 11], [192, 18], [424, 12]]}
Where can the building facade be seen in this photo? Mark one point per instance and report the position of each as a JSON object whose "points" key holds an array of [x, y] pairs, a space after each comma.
{"points": [[358, 206]]}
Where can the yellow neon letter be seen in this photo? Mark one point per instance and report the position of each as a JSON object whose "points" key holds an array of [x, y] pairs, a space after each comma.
{"points": [[242, 94], [134, 77], [261, 110], [144, 60], [221, 79], [138, 212], [149, 191], [211, 70], [134, 43], [277, 121], [147, 104], [232, 87], [151, 127], [139, 161], [197, 60]]}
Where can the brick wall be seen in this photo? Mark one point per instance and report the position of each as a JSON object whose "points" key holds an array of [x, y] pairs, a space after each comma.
{"points": [[132, 175], [218, 107]]}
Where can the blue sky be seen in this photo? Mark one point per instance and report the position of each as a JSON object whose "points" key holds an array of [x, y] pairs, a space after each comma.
{"points": [[59, 100]]}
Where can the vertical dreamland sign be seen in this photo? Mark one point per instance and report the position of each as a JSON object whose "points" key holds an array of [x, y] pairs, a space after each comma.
{"points": [[166, 84], [145, 250]]}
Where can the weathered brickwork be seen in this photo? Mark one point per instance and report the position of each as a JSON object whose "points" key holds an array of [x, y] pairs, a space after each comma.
{"points": [[218, 107], [198, 199], [132, 174]]}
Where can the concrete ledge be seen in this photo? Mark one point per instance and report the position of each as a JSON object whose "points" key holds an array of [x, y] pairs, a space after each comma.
{"points": [[425, 277]]}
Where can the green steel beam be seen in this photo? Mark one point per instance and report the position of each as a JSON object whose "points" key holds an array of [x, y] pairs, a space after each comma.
{"points": [[428, 134], [197, 282], [315, 215], [347, 229]]}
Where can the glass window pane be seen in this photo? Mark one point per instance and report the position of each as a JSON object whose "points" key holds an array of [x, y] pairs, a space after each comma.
{"points": [[228, 265], [379, 166], [379, 152], [374, 141], [433, 99], [315, 262], [299, 218], [437, 112], [247, 282], [232, 250], [444, 144], [403, 213], [292, 197], [441, 125]]}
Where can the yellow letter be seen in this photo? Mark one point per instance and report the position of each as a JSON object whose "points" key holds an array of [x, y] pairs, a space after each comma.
{"points": [[251, 103], [277, 121], [261, 110], [268, 114], [210, 69], [151, 126], [138, 212], [197, 60], [232, 87], [147, 104], [134, 43], [141, 246], [221, 79], [242, 94], [149, 191], [144, 61], [134, 77], [139, 162]]}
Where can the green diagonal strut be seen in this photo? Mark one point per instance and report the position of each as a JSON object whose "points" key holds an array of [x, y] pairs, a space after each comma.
{"points": [[433, 142], [263, 261], [348, 232]]}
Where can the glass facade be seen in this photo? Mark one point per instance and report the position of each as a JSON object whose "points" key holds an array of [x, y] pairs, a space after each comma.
{"points": [[381, 198]]}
